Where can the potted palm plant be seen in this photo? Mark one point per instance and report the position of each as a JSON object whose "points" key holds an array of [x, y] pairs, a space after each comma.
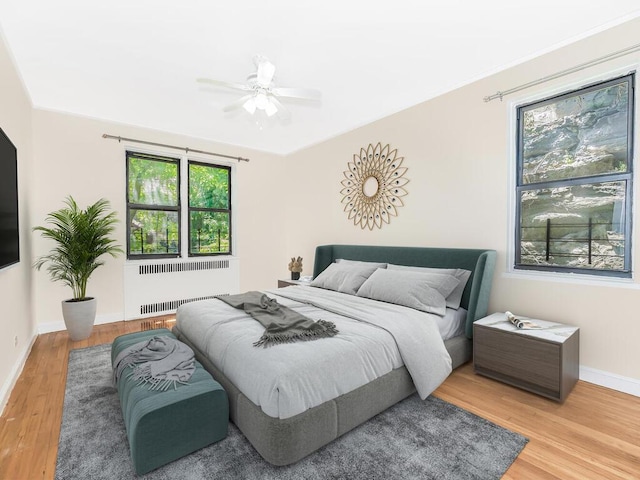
{"points": [[81, 237]]}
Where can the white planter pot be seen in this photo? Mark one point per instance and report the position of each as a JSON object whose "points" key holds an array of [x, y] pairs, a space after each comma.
{"points": [[79, 317]]}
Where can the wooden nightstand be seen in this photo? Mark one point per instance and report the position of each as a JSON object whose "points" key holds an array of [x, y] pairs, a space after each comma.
{"points": [[287, 283], [541, 361]]}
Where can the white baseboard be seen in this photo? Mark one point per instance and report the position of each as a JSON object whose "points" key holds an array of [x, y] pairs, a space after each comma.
{"points": [[5, 392], [59, 325], [610, 380]]}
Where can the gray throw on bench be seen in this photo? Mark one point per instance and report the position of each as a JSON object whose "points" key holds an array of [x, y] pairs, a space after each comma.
{"points": [[282, 325], [161, 362]]}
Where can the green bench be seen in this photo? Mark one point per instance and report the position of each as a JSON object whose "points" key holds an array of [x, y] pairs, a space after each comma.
{"points": [[163, 426]]}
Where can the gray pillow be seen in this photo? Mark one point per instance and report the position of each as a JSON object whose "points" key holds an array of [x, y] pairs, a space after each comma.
{"points": [[343, 277], [455, 297], [425, 292]]}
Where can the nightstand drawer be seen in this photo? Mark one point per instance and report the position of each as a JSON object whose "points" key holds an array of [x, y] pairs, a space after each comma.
{"points": [[529, 360]]}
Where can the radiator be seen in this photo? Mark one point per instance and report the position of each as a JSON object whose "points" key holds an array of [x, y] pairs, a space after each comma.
{"points": [[159, 288]]}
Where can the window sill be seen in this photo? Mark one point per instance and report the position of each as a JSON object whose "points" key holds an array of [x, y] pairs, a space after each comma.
{"points": [[572, 278]]}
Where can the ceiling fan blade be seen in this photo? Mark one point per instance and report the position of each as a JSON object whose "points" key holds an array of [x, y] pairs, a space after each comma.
{"points": [[266, 71], [283, 113], [306, 93], [238, 103], [222, 83]]}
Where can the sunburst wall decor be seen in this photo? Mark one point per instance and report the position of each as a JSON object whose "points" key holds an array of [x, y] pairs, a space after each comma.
{"points": [[373, 186]]}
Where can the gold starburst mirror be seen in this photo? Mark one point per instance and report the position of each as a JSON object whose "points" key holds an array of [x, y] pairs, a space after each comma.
{"points": [[373, 186]]}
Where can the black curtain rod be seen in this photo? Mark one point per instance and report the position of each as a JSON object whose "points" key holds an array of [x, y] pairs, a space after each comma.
{"points": [[186, 149]]}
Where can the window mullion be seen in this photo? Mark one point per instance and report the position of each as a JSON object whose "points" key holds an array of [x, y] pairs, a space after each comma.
{"points": [[145, 206], [614, 177]]}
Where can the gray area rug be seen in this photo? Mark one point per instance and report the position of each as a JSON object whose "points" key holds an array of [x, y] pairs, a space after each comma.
{"points": [[429, 439]]}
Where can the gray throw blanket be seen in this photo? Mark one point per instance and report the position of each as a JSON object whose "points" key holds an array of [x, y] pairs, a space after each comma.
{"points": [[161, 362], [282, 325]]}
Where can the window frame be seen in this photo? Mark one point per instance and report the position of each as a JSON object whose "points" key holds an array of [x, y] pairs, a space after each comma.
{"points": [[157, 208], [202, 209], [627, 177]]}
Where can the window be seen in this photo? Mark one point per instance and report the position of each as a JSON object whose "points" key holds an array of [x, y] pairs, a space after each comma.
{"points": [[154, 207], [574, 181], [209, 209]]}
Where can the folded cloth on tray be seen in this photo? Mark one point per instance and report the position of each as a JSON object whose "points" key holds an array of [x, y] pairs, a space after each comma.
{"points": [[282, 324], [161, 362]]}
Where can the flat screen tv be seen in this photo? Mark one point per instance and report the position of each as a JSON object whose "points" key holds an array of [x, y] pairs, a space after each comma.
{"points": [[9, 233]]}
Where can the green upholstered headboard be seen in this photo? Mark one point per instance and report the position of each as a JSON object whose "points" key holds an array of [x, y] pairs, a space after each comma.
{"points": [[481, 263]]}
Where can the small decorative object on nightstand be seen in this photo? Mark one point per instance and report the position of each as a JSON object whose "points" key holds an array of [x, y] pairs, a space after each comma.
{"points": [[295, 267], [542, 360]]}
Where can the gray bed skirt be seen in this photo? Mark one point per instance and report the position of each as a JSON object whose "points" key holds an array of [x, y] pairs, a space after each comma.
{"points": [[285, 441]]}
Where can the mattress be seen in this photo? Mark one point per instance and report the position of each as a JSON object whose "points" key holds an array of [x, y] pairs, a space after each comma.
{"points": [[374, 339]]}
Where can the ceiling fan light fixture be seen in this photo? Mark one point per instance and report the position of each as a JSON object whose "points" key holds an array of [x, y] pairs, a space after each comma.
{"points": [[250, 105], [270, 109], [261, 101]]}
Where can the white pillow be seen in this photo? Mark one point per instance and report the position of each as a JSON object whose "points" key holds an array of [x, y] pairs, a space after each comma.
{"points": [[425, 292], [455, 297], [343, 277]]}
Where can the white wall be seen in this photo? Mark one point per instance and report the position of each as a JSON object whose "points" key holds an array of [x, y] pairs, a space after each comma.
{"points": [[16, 320], [72, 158], [457, 150]]}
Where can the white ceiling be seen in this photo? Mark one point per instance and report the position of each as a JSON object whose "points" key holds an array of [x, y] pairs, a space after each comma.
{"points": [[136, 61]]}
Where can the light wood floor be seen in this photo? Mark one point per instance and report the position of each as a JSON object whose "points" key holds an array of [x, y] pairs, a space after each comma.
{"points": [[595, 434]]}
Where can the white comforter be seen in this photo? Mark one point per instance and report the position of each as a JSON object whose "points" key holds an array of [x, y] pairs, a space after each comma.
{"points": [[285, 380]]}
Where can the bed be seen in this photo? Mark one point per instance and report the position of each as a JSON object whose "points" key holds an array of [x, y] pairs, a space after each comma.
{"points": [[285, 440]]}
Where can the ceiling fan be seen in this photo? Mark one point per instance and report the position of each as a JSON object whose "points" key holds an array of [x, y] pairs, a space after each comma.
{"points": [[263, 94]]}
